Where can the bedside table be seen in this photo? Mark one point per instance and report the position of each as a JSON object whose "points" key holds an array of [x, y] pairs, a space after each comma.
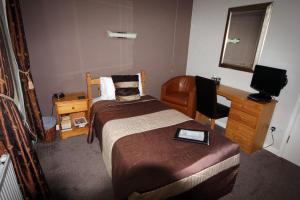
{"points": [[71, 104]]}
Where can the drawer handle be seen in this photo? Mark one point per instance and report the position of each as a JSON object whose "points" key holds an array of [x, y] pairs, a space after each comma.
{"points": [[73, 108]]}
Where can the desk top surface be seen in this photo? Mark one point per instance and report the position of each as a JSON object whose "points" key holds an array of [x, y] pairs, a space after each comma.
{"points": [[235, 94], [231, 93]]}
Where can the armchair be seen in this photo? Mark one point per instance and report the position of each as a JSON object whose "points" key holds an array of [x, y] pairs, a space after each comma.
{"points": [[180, 94]]}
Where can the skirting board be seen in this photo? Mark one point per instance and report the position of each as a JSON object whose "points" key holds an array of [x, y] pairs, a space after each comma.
{"points": [[220, 123], [273, 150], [270, 149]]}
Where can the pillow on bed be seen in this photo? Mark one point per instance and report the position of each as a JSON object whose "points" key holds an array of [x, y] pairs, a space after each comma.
{"points": [[140, 84], [126, 87], [107, 89]]}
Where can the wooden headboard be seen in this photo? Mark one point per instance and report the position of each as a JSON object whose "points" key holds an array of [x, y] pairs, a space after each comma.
{"points": [[90, 82]]}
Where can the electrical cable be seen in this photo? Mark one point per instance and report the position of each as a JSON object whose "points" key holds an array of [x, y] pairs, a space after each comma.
{"points": [[272, 135]]}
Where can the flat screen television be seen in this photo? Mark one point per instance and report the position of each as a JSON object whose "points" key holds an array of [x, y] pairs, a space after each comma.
{"points": [[268, 81]]}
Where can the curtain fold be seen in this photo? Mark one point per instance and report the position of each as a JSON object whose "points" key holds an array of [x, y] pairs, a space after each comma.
{"points": [[33, 113], [14, 135]]}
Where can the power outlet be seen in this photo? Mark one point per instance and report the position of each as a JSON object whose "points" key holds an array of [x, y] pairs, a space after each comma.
{"points": [[273, 129]]}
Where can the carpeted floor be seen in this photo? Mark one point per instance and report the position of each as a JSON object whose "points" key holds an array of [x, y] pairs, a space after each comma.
{"points": [[75, 170]]}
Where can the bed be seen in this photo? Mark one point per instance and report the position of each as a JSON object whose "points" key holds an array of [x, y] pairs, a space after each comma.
{"points": [[143, 159]]}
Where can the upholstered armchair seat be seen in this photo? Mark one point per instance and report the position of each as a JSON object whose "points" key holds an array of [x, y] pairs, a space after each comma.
{"points": [[180, 94], [180, 98]]}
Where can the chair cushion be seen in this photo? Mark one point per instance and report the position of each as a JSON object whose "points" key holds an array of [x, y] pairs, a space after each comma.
{"points": [[222, 111], [180, 98]]}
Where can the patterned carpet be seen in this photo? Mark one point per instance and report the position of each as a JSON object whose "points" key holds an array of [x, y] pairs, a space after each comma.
{"points": [[75, 170]]}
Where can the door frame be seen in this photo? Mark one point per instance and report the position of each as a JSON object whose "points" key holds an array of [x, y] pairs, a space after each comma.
{"points": [[292, 123]]}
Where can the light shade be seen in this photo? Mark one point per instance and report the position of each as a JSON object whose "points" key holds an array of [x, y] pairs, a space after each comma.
{"points": [[125, 35]]}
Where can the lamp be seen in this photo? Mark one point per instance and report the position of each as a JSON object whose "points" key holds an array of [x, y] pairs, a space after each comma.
{"points": [[124, 35]]}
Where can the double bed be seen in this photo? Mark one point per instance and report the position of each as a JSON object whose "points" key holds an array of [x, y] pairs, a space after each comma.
{"points": [[145, 162]]}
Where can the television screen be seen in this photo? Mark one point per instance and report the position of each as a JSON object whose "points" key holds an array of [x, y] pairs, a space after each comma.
{"points": [[268, 80]]}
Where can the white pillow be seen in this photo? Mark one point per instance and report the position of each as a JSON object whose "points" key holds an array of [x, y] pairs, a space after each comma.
{"points": [[96, 99], [140, 85], [107, 89]]}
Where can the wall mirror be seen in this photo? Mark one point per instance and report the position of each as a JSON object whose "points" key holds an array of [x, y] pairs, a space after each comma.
{"points": [[244, 36]]}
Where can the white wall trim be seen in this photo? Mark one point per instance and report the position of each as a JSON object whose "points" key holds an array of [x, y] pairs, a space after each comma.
{"points": [[273, 150], [292, 121]]}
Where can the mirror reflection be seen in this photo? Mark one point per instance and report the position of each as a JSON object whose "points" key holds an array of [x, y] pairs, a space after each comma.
{"points": [[244, 35]]}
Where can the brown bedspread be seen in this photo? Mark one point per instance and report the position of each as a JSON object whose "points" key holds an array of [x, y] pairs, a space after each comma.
{"points": [[149, 160]]}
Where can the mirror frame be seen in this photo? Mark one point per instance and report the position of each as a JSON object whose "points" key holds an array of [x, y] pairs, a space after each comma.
{"points": [[263, 32]]}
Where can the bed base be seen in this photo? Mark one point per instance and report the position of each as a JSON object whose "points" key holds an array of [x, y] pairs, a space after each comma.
{"points": [[209, 190]]}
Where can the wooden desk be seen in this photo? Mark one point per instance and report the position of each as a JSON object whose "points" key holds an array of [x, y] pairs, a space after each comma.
{"points": [[248, 121]]}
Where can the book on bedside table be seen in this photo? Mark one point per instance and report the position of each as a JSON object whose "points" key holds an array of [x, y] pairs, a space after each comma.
{"points": [[80, 122], [66, 123]]}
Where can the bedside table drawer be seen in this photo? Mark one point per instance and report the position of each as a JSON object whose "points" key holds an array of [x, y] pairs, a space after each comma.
{"points": [[74, 107]]}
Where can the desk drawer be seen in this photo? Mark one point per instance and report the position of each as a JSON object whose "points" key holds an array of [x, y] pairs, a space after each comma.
{"points": [[241, 134], [245, 145], [72, 107], [235, 128], [243, 118], [248, 107]]}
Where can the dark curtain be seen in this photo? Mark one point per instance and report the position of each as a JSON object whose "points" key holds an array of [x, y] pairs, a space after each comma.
{"points": [[15, 136], [33, 113]]}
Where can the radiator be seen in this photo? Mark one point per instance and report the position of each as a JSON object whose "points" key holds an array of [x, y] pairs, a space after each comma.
{"points": [[9, 188]]}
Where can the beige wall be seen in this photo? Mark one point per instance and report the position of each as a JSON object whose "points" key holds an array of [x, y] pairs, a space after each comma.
{"points": [[281, 50], [68, 38]]}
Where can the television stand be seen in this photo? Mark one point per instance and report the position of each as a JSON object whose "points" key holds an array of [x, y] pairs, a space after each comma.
{"points": [[260, 97]]}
